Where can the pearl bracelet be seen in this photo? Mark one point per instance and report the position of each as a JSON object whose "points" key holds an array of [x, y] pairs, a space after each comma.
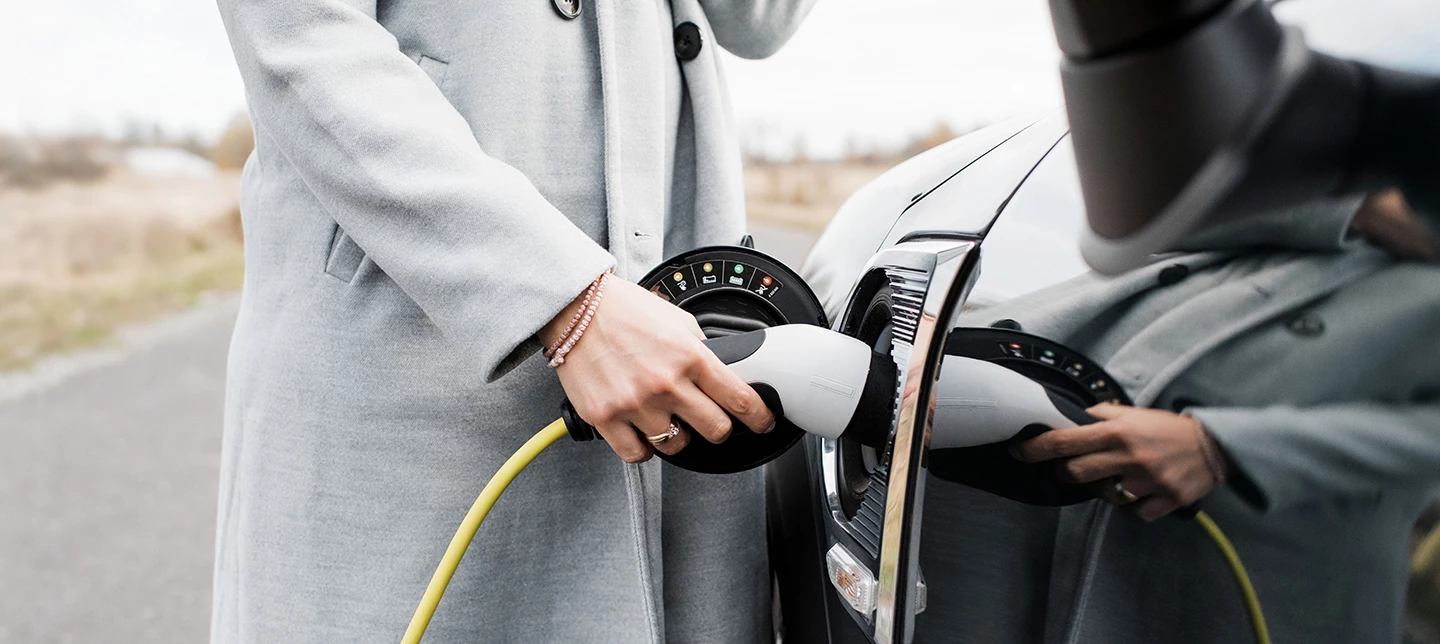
{"points": [[588, 305]]}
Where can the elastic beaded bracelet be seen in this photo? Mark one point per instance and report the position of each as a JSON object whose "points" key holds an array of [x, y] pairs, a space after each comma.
{"points": [[584, 304], [569, 340]]}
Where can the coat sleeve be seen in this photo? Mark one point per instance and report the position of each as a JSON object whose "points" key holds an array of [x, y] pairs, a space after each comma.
{"points": [[755, 28], [482, 253], [1286, 455]]}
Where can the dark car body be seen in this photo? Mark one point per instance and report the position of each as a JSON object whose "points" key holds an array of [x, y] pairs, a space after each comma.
{"points": [[987, 217]]}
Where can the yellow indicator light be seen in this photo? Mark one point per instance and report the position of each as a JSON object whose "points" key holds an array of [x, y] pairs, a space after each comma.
{"points": [[708, 267], [679, 276]]}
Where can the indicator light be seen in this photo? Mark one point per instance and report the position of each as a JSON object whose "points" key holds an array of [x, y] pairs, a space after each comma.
{"points": [[679, 276], [922, 595], [1012, 344], [851, 579], [739, 268], [707, 267], [765, 280]]}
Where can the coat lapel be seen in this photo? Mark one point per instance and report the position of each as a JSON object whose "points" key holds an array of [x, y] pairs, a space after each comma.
{"points": [[641, 481], [610, 105]]}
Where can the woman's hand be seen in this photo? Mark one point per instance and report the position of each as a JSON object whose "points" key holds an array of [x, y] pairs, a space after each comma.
{"points": [[1385, 218], [639, 363], [1157, 456]]}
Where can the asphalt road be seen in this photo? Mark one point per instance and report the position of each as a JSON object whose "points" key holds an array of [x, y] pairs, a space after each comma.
{"points": [[108, 469], [107, 493]]}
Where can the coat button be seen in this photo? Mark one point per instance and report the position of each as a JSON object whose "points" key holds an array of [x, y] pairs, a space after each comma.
{"points": [[568, 9], [1006, 323], [1308, 325], [1172, 275], [687, 41]]}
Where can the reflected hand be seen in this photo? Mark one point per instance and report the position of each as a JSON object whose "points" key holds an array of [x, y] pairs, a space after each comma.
{"points": [[1385, 218], [1158, 456]]}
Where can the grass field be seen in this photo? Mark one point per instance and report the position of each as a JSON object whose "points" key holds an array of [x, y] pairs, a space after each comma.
{"points": [[803, 195], [80, 259]]}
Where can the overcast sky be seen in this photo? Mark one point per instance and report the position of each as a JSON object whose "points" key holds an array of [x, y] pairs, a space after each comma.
{"points": [[868, 71]]}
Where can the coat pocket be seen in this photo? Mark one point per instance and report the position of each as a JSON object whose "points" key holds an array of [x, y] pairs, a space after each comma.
{"points": [[345, 256]]}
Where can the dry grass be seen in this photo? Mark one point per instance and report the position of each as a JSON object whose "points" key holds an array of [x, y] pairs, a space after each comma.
{"points": [[803, 195], [79, 260]]}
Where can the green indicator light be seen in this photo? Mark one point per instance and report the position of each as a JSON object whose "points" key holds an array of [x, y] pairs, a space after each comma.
{"points": [[1049, 353], [739, 268]]}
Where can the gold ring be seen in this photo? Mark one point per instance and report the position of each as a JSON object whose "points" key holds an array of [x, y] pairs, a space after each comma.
{"points": [[1126, 494], [665, 436]]}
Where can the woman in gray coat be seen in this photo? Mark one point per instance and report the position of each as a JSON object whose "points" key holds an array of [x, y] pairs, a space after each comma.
{"points": [[434, 186]]}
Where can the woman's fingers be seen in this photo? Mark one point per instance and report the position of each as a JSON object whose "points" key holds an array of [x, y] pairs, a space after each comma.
{"points": [[1094, 466], [1154, 507], [657, 424], [626, 442], [703, 415], [1108, 411], [1070, 441], [640, 361], [1111, 494], [731, 393], [1158, 456]]}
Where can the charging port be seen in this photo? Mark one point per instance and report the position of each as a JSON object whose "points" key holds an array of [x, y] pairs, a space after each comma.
{"points": [[860, 460]]}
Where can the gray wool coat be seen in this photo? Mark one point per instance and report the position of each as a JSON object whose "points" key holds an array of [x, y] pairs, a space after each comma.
{"points": [[432, 182], [1313, 366]]}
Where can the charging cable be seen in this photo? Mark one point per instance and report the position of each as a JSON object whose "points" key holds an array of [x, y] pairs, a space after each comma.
{"points": [[557, 429], [471, 524], [1242, 578]]}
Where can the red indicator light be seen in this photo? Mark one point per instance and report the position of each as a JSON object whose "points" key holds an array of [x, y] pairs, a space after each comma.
{"points": [[1014, 346], [765, 280]]}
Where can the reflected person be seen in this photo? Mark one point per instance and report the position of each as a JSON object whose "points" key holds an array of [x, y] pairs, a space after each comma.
{"points": [[1284, 380]]}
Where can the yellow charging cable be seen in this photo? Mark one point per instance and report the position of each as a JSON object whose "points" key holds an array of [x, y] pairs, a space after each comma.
{"points": [[1427, 554], [557, 430], [1242, 578], [471, 524]]}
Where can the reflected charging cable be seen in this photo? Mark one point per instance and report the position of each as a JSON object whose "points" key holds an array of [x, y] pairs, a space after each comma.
{"points": [[1242, 578]]}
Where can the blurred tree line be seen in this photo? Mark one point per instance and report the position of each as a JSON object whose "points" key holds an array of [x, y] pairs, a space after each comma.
{"points": [[758, 147], [33, 161]]}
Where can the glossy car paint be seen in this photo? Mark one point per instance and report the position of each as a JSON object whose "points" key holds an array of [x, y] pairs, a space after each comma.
{"points": [[987, 217]]}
